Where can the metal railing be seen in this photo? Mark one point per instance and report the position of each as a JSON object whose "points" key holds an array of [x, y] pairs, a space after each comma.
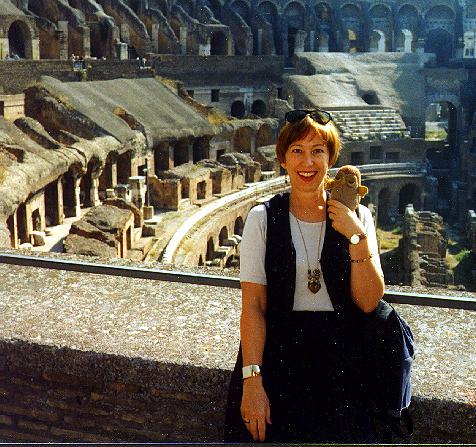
{"points": [[418, 299]]}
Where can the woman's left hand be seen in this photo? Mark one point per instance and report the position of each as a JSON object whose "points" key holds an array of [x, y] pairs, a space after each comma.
{"points": [[344, 220]]}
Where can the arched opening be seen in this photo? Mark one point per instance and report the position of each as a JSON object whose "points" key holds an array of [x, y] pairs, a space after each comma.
{"points": [[377, 41], [242, 140], [264, 136], [19, 40], [238, 227], [269, 14], [218, 44], [407, 18], [408, 194], [258, 108], [200, 149], [223, 236], [210, 250], [294, 15], [440, 42], [200, 261], [383, 214], [237, 109], [352, 23]]}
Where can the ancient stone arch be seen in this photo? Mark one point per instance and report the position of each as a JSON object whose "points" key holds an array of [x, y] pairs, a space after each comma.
{"points": [[210, 250], [352, 25], [259, 108], [223, 236], [440, 42], [238, 109], [294, 13], [20, 39], [238, 226], [268, 12]]}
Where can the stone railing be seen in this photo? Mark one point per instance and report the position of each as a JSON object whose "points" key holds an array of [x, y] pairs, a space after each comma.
{"points": [[100, 358]]}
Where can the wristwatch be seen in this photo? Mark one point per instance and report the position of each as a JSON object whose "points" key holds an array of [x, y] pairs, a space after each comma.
{"points": [[251, 371], [356, 238]]}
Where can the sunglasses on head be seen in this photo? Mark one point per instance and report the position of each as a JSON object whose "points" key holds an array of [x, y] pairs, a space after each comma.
{"points": [[320, 116]]}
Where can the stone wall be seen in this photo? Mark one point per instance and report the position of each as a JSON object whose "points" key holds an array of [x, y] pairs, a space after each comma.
{"points": [[16, 76], [220, 69], [104, 398]]}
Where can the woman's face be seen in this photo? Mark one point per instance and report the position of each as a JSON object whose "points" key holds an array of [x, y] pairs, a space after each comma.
{"points": [[307, 161]]}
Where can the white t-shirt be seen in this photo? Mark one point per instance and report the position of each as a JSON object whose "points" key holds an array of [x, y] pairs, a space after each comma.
{"points": [[253, 251]]}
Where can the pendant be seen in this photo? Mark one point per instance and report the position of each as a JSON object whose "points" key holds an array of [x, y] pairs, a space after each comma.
{"points": [[313, 284]]}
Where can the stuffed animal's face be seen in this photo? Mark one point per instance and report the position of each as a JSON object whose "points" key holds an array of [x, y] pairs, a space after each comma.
{"points": [[346, 187]]}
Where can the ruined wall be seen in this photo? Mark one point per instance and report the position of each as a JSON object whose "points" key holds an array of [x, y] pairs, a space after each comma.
{"points": [[423, 245]]}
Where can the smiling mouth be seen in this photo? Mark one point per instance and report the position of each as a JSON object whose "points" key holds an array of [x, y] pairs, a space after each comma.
{"points": [[307, 176]]}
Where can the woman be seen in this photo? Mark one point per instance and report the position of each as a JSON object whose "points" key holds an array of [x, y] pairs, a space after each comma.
{"points": [[306, 289]]}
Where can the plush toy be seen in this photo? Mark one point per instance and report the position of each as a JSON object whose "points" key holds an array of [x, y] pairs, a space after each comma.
{"points": [[346, 187]]}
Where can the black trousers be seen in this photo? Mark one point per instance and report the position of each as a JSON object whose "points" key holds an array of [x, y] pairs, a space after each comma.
{"points": [[313, 375]]}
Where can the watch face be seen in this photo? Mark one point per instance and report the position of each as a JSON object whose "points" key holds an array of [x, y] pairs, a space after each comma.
{"points": [[354, 239]]}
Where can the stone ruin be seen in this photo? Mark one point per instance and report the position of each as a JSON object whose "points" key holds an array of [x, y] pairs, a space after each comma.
{"points": [[423, 248]]}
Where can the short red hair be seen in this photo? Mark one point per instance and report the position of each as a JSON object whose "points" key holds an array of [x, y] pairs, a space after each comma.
{"points": [[292, 132]]}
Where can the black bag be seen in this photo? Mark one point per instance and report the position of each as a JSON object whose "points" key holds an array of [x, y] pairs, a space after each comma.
{"points": [[390, 352]]}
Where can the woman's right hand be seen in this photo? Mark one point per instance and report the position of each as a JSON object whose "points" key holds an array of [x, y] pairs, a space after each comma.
{"points": [[255, 407]]}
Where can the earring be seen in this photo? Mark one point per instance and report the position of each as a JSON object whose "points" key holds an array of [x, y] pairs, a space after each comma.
{"points": [[286, 179]]}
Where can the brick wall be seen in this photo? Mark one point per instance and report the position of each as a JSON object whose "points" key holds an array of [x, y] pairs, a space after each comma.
{"points": [[16, 76], [68, 395]]}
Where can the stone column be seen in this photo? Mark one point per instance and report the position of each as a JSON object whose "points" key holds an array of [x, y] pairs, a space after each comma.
{"points": [[35, 49], [122, 52], [113, 173], [77, 195], [300, 40], [60, 206], [253, 144], [4, 47], [63, 39], [420, 46], [183, 40], [86, 41], [155, 37], [259, 43], [312, 40], [94, 191]]}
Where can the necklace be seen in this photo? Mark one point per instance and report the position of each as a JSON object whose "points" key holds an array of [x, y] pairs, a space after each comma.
{"points": [[313, 276]]}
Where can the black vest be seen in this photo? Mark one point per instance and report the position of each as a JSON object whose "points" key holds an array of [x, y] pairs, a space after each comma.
{"points": [[280, 263]]}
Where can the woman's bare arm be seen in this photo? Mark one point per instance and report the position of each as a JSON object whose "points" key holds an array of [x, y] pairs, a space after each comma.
{"points": [[255, 403]]}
